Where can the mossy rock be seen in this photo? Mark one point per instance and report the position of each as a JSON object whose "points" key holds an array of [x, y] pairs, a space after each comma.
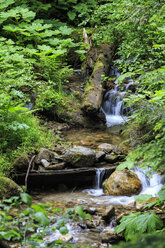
{"points": [[21, 163], [8, 188]]}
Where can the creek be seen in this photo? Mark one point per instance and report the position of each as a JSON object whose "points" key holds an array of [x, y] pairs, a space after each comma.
{"points": [[94, 197]]}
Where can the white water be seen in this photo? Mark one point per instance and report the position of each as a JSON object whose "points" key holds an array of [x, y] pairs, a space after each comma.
{"points": [[150, 186], [113, 106], [97, 191]]}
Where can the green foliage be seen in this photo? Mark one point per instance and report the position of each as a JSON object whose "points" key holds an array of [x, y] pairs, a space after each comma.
{"points": [[19, 223], [160, 201], [138, 223], [147, 241], [143, 198]]}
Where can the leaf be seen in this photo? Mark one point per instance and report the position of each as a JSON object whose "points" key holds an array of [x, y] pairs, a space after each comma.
{"points": [[79, 211], [143, 198], [26, 198], [38, 208], [138, 223], [71, 15], [148, 222], [161, 194], [65, 30], [63, 230], [41, 218]]}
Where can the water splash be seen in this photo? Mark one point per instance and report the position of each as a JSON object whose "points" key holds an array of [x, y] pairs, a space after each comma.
{"points": [[113, 105], [97, 191], [150, 185]]}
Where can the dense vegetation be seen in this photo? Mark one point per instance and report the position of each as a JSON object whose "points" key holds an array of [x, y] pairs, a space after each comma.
{"points": [[39, 44]]}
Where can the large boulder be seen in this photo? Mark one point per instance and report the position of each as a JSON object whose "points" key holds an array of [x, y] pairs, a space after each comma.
{"points": [[123, 182], [8, 188], [79, 156]]}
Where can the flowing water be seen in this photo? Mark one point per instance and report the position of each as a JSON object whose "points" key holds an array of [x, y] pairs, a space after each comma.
{"points": [[112, 105], [116, 114]]}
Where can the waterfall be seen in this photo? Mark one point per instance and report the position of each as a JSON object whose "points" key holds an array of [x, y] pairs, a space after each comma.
{"points": [[97, 191], [112, 105], [99, 177]]}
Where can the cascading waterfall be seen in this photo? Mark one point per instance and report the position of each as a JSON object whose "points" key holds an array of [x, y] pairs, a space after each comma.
{"points": [[99, 177], [97, 191], [150, 185], [112, 105]]}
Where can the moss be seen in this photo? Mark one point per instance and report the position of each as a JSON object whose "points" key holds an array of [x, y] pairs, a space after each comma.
{"points": [[88, 88], [8, 188], [99, 65]]}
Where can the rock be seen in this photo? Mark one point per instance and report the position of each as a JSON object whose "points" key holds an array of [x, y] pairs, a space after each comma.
{"points": [[8, 188], [123, 182], [43, 154], [45, 163], [80, 156], [21, 163], [94, 90], [104, 246], [109, 213], [108, 235], [106, 147], [58, 166], [66, 238], [100, 156], [92, 223], [90, 210], [111, 158]]}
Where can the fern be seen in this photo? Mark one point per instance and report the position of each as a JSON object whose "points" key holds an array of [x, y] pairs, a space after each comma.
{"points": [[138, 223]]}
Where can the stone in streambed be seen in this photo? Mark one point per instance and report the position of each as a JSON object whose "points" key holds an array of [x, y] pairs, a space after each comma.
{"points": [[123, 182], [45, 163], [43, 154], [58, 166], [111, 158], [79, 156], [106, 147], [100, 156], [108, 213], [66, 238]]}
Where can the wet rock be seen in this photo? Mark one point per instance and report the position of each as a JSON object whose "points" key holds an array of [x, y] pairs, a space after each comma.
{"points": [[66, 238], [21, 163], [44, 154], [58, 166], [109, 213], [108, 235], [90, 210], [111, 158], [106, 147], [92, 223], [45, 163], [8, 188], [100, 156], [80, 156], [122, 183], [140, 205], [104, 246]]}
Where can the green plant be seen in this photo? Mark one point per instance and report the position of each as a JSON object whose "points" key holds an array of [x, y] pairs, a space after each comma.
{"points": [[147, 241], [29, 223], [137, 223]]}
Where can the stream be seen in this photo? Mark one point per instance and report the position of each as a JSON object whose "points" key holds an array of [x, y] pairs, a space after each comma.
{"points": [[94, 198]]}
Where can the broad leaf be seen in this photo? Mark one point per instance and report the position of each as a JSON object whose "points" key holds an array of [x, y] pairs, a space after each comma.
{"points": [[26, 198], [41, 218]]}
